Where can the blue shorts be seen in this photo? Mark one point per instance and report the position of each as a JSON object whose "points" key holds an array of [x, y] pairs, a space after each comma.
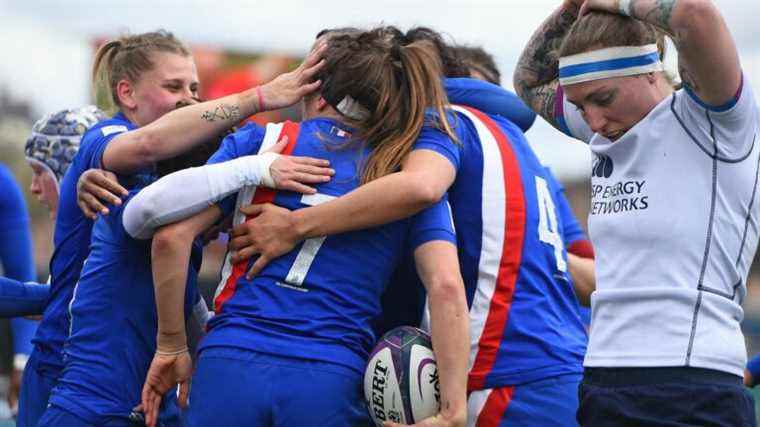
{"points": [[617, 397], [35, 392], [547, 403], [237, 387], [56, 416]]}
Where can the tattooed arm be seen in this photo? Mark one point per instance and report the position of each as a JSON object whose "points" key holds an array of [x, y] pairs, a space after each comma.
{"points": [[182, 129], [707, 56], [536, 74]]}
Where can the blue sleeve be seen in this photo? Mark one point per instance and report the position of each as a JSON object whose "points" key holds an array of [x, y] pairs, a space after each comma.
{"points": [[753, 366], [23, 332], [434, 139], [16, 255], [434, 223], [571, 228], [94, 143], [19, 298], [490, 99], [245, 141]]}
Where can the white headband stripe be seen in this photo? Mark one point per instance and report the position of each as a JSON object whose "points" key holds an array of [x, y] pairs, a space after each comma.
{"points": [[632, 71], [606, 54], [351, 108], [609, 62]]}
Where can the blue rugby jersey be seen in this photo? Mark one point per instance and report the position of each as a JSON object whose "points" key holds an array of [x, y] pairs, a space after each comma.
{"points": [[404, 300], [491, 99], [524, 313], [317, 301], [113, 322], [16, 255], [72, 243]]}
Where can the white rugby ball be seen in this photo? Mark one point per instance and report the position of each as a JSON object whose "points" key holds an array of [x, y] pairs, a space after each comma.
{"points": [[401, 379]]}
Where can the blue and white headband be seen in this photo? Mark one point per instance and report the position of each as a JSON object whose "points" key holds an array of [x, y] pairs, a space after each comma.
{"points": [[610, 62]]}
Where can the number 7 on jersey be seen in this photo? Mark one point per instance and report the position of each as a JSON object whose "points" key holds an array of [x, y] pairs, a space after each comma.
{"points": [[305, 257]]}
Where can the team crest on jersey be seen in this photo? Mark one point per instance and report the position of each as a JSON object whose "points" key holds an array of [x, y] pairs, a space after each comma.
{"points": [[602, 167]]}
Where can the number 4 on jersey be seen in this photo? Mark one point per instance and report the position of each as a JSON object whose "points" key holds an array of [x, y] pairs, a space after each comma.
{"points": [[548, 230]]}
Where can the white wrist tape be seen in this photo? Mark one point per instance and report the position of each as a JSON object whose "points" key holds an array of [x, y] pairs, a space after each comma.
{"points": [[263, 163], [625, 7]]}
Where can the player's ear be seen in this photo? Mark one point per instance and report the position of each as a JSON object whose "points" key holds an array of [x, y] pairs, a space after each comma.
{"points": [[125, 93], [321, 104]]}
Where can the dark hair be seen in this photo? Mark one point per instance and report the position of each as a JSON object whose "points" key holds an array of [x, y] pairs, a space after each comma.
{"points": [[451, 63], [599, 30], [129, 56], [394, 83], [338, 30], [478, 60]]}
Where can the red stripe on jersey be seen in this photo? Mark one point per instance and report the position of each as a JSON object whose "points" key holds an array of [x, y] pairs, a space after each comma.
{"points": [[262, 195], [495, 407], [511, 257]]}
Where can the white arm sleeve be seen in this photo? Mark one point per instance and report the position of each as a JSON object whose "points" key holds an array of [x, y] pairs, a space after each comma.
{"points": [[187, 192]]}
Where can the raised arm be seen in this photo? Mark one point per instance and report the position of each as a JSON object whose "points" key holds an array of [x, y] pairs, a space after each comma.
{"points": [[170, 258], [707, 56], [536, 75], [184, 128]]}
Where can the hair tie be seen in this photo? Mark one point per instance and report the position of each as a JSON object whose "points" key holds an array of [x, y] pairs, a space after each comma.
{"points": [[396, 51]]}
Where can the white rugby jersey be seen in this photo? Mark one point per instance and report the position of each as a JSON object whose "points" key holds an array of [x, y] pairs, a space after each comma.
{"points": [[674, 222]]}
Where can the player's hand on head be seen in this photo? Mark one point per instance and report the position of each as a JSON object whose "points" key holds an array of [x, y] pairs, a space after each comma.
{"points": [[97, 188], [574, 3], [288, 88], [165, 372], [611, 6], [270, 234], [295, 173]]}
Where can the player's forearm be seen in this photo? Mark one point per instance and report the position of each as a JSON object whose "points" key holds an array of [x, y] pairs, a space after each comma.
{"points": [[170, 255], [449, 324], [22, 298], [178, 131], [438, 268], [537, 71], [584, 279], [390, 198]]}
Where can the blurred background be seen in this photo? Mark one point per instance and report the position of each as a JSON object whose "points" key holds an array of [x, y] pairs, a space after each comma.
{"points": [[48, 47]]}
